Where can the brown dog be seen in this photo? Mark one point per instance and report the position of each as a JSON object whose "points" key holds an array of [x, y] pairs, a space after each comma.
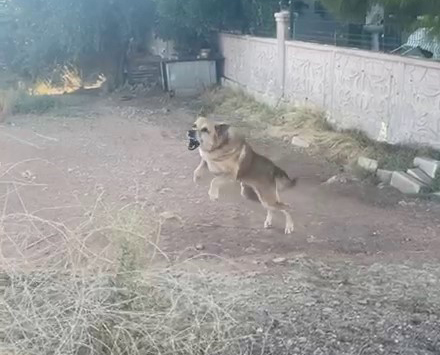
{"points": [[228, 156]]}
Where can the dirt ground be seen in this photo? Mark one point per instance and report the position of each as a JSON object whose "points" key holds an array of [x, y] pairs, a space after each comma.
{"points": [[93, 148]]}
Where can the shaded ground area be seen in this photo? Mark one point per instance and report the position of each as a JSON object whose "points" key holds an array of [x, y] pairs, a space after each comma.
{"points": [[359, 275]]}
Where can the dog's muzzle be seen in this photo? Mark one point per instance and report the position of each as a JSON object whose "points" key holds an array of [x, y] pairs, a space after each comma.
{"points": [[193, 142]]}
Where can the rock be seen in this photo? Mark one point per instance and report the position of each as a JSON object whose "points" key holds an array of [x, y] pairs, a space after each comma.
{"points": [[336, 179], [311, 239], [407, 184], [279, 260], [300, 143], [28, 175], [420, 175], [200, 247], [368, 164], [327, 310], [381, 185], [384, 175], [429, 166]]}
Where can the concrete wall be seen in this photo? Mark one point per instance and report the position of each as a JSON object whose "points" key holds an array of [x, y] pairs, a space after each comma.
{"points": [[391, 98], [252, 63]]}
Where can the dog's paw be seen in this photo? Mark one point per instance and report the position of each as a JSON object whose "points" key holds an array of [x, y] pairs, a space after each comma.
{"points": [[197, 175], [213, 196], [267, 224], [290, 228]]}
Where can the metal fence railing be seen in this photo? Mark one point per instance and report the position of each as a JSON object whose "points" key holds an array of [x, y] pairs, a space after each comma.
{"points": [[346, 34]]}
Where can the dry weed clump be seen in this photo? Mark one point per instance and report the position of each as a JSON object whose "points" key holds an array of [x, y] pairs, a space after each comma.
{"points": [[74, 301], [131, 313], [59, 295]]}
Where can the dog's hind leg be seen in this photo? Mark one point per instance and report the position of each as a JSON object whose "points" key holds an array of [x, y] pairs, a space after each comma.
{"points": [[248, 192], [214, 189], [269, 200]]}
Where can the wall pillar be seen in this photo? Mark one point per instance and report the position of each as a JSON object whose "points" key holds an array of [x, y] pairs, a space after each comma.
{"points": [[282, 19]]}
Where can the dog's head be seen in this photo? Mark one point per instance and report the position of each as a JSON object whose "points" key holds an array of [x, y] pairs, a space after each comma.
{"points": [[209, 135]]}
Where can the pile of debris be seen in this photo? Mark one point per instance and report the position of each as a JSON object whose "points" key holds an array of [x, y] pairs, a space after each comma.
{"points": [[422, 178]]}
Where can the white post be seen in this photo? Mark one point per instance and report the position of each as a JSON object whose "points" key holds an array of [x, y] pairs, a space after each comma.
{"points": [[282, 19]]}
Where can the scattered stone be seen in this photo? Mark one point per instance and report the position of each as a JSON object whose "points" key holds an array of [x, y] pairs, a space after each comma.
{"points": [[327, 310], [384, 175], [28, 175], [311, 239], [428, 165], [200, 247], [420, 175], [368, 164], [165, 190], [363, 302], [300, 142], [381, 186], [336, 179], [279, 260], [407, 184]]}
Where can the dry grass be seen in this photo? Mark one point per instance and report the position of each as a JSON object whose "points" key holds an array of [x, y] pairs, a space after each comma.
{"points": [[60, 295], [131, 313], [342, 147], [14, 102], [64, 79]]}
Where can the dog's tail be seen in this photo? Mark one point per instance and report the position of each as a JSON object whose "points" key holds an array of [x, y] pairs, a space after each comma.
{"points": [[282, 179]]}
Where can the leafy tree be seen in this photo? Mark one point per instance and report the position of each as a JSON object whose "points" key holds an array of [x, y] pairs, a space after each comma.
{"points": [[411, 13], [51, 32], [353, 10], [189, 22], [415, 13]]}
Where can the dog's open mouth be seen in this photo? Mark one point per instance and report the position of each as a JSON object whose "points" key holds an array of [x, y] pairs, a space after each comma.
{"points": [[193, 142]]}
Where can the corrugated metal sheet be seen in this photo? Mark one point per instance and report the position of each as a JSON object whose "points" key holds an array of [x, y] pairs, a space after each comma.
{"points": [[190, 77]]}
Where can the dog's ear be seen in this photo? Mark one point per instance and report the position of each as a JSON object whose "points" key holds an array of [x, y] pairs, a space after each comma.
{"points": [[221, 129]]}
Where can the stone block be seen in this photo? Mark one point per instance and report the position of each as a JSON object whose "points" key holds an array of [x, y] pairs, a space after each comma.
{"points": [[299, 142], [384, 175], [368, 164], [420, 175], [428, 165], [406, 184]]}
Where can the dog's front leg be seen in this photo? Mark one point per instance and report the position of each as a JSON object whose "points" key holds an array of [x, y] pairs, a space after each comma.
{"points": [[199, 170], [214, 189]]}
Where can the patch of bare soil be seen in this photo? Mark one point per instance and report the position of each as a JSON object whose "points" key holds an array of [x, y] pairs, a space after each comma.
{"points": [[97, 176]]}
